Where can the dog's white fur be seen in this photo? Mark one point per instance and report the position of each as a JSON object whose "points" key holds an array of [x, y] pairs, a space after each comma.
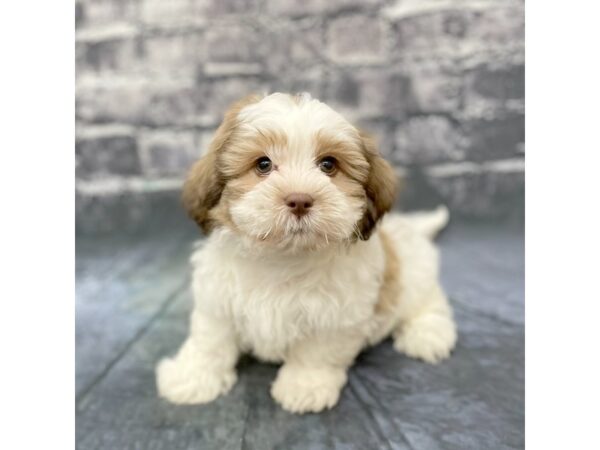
{"points": [[302, 291]]}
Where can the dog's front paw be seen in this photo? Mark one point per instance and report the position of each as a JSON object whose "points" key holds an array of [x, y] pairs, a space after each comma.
{"points": [[188, 384], [300, 389]]}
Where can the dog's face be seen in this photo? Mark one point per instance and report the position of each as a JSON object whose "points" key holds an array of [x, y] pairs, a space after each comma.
{"points": [[290, 172]]}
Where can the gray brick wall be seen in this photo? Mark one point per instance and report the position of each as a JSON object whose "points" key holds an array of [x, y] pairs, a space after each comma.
{"points": [[439, 82]]}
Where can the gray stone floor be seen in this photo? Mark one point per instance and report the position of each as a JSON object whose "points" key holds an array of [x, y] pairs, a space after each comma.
{"points": [[132, 309]]}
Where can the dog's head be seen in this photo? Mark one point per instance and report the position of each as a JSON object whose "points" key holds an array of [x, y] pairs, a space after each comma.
{"points": [[290, 172]]}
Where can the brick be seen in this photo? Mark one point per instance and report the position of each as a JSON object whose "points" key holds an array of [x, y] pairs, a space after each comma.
{"points": [[291, 48], [501, 25], [309, 80], [171, 105], [161, 12], [498, 83], [428, 139], [370, 94], [122, 55], [233, 44], [436, 33], [306, 44], [435, 90], [496, 137], [175, 53], [453, 31], [79, 14], [138, 102], [107, 152], [217, 95], [494, 90], [101, 12], [480, 191], [167, 152], [388, 95], [356, 39], [111, 102], [345, 90]]}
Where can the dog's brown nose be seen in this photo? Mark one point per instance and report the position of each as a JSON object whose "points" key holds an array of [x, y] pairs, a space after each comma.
{"points": [[299, 203]]}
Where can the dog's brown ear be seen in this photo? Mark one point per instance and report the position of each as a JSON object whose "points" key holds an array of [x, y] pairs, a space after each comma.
{"points": [[204, 184], [202, 190], [380, 187]]}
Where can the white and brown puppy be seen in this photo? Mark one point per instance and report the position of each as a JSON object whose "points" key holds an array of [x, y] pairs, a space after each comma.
{"points": [[297, 268]]}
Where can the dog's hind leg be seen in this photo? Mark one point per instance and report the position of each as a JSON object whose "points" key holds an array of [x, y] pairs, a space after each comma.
{"points": [[429, 334]]}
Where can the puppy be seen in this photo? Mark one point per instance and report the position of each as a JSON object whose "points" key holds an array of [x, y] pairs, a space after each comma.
{"points": [[299, 268]]}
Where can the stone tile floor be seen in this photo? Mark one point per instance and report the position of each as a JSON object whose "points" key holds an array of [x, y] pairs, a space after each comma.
{"points": [[132, 305]]}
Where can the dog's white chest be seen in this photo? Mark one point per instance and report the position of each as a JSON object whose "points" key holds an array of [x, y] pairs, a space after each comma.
{"points": [[274, 302], [271, 316]]}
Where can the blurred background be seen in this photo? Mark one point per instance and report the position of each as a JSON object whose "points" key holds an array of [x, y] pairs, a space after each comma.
{"points": [[440, 83]]}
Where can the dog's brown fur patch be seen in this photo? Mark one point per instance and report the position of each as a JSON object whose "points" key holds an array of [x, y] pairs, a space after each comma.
{"points": [[350, 156], [381, 187], [205, 181], [389, 292], [232, 191], [244, 150]]}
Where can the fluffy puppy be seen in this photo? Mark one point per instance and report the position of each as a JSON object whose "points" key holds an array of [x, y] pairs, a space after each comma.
{"points": [[298, 266]]}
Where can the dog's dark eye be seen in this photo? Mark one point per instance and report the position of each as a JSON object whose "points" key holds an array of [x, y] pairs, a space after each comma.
{"points": [[264, 165], [328, 165]]}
